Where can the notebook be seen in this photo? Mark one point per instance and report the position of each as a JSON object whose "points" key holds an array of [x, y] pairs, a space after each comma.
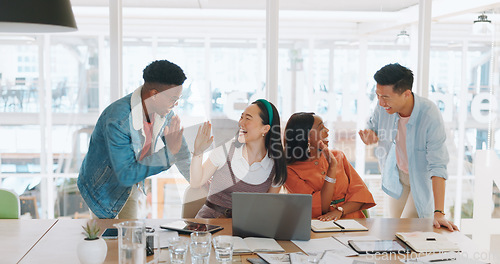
{"points": [[273, 215], [251, 245], [342, 225], [427, 242]]}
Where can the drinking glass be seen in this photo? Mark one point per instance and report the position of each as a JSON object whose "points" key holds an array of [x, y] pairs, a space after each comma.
{"points": [[200, 247], [132, 243], [178, 247], [223, 246]]}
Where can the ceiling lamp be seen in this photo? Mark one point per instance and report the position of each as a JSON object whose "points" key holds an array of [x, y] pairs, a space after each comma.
{"points": [[403, 38], [482, 26], [36, 16]]}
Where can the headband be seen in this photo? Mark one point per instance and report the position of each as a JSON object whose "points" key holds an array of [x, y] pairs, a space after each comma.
{"points": [[269, 109]]}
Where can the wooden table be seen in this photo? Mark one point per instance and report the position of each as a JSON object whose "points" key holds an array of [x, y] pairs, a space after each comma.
{"points": [[17, 237], [58, 245]]}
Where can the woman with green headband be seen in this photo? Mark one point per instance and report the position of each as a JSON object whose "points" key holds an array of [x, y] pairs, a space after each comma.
{"points": [[254, 161]]}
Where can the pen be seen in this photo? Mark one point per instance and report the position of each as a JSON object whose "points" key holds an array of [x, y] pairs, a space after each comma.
{"points": [[444, 259], [339, 225]]}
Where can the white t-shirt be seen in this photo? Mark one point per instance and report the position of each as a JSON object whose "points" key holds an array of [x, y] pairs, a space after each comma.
{"points": [[259, 170]]}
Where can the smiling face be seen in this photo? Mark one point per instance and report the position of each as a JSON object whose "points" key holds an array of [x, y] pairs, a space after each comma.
{"points": [[318, 133], [393, 102], [251, 126], [163, 102]]}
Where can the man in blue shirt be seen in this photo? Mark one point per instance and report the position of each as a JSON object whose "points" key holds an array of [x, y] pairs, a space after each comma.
{"points": [[411, 147], [135, 137]]}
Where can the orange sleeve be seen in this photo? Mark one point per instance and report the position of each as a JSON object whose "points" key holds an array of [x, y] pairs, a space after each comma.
{"points": [[295, 184], [356, 190]]}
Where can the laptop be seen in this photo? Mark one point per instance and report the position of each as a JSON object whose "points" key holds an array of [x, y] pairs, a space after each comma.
{"points": [[273, 215]]}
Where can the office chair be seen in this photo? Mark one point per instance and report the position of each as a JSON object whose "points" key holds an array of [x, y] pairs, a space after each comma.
{"points": [[10, 206], [194, 198]]}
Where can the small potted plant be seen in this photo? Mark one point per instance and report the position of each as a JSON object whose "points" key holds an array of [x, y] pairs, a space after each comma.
{"points": [[92, 249]]}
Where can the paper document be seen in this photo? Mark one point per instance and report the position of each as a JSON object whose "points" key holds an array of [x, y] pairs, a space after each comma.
{"points": [[275, 258], [445, 258], [344, 239], [326, 243], [298, 258], [164, 235], [331, 257]]}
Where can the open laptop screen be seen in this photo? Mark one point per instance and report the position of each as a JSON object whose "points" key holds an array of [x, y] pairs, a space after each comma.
{"points": [[278, 216]]}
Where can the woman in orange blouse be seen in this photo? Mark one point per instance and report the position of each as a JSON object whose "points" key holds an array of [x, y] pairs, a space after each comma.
{"points": [[336, 188]]}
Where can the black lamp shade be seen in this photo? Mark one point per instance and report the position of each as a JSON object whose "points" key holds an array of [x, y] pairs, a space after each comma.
{"points": [[36, 16]]}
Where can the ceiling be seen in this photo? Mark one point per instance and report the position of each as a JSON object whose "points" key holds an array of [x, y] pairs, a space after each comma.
{"points": [[325, 19], [324, 5]]}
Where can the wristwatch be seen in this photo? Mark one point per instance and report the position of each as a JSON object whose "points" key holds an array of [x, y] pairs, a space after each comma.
{"points": [[341, 210]]}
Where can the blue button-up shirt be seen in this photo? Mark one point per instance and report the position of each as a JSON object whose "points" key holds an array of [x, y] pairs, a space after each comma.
{"points": [[111, 167], [425, 145]]}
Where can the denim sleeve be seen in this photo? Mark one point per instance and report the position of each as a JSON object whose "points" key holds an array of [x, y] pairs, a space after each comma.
{"points": [[124, 163], [436, 151]]}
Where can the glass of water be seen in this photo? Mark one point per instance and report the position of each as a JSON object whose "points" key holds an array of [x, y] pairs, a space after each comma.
{"points": [[178, 247], [223, 246], [200, 247]]}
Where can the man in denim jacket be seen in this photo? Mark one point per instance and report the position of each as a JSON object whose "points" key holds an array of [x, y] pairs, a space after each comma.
{"points": [[412, 153], [135, 137]]}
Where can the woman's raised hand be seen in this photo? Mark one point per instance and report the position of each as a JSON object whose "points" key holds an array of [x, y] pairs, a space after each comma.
{"points": [[203, 139]]}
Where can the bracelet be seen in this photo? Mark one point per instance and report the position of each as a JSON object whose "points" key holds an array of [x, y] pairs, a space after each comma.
{"points": [[330, 179], [439, 211], [196, 155]]}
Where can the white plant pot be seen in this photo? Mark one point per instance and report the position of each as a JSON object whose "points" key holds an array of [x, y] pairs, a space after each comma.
{"points": [[92, 251]]}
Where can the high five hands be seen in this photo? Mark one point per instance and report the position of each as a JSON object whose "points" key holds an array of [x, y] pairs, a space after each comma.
{"points": [[368, 136], [173, 135], [203, 139]]}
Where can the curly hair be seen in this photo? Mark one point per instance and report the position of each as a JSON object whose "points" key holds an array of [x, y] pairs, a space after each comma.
{"points": [[163, 72]]}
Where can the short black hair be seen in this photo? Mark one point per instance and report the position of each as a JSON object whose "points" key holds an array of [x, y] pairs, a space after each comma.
{"points": [[397, 75], [163, 72]]}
